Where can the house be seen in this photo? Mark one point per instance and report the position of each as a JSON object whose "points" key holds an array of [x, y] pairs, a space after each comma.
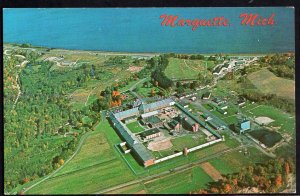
{"points": [[218, 100], [206, 95], [151, 133], [193, 98], [223, 106], [241, 101]]}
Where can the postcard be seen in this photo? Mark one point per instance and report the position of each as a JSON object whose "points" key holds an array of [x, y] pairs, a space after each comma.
{"points": [[186, 100]]}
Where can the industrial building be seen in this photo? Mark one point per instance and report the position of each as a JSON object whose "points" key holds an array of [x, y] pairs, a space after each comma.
{"points": [[241, 127], [138, 149]]}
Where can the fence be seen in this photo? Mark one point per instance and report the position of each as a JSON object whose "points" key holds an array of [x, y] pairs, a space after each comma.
{"points": [[168, 157]]}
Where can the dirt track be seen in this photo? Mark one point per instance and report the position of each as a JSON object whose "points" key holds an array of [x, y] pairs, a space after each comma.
{"points": [[160, 145], [211, 171]]}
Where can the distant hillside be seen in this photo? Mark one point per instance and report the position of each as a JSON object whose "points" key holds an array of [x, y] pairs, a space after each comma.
{"points": [[267, 82]]}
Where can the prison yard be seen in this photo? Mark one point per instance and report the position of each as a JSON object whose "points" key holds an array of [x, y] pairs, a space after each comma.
{"points": [[143, 123]]}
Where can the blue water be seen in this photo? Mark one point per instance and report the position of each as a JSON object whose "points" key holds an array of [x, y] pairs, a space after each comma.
{"points": [[139, 30]]}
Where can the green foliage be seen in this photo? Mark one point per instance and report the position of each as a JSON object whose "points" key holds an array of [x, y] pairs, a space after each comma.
{"points": [[266, 177], [35, 128]]}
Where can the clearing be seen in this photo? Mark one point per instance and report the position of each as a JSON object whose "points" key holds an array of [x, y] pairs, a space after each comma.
{"points": [[267, 82], [180, 69]]}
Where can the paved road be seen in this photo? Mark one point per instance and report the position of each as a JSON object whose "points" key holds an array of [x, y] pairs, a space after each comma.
{"points": [[131, 89], [175, 170]]}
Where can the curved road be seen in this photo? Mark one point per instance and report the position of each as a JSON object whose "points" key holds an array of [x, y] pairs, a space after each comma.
{"points": [[77, 150]]}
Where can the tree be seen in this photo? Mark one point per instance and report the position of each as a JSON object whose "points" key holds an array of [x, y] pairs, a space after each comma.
{"points": [[152, 93], [278, 181], [227, 188], [25, 180], [287, 171], [61, 162]]}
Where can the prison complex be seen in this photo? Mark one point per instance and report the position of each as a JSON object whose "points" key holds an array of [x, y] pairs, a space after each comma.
{"points": [[147, 113]]}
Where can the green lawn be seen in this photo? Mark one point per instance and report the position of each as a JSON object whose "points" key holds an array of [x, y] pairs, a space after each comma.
{"points": [[146, 91], [134, 127], [282, 119], [188, 141]]}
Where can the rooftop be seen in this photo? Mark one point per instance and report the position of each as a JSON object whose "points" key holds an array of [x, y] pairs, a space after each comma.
{"points": [[149, 132], [153, 119]]}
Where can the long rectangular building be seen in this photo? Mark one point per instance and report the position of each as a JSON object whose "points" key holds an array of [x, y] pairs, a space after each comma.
{"points": [[138, 149]]}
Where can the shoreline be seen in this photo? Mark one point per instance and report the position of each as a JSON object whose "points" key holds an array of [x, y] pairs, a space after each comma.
{"points": [[150, 54]]}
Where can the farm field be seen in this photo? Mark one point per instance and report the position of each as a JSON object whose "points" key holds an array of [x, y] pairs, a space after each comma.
{"points": [[134, 127], [267, 82], [234, 161], [180, 183], [133, 189], [179, 69]]}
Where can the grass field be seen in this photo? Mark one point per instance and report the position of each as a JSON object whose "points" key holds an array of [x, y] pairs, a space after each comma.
{"points": [[180, 183], [134, 127], [133, 189], [267, 82], [146, 91], [95, 167], [234, 161], [186, 69], [189, 141], [285, 121]]}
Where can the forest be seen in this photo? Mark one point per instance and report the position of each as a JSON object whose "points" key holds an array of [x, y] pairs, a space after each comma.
{"points": [[270, 177], [41, 128]]}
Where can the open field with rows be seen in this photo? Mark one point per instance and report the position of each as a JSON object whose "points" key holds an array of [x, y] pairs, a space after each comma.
{"points": [[267, 82], [179, 69]]}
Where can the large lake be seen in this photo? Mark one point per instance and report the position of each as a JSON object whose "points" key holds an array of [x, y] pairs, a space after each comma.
{"points": [[140, 30]]}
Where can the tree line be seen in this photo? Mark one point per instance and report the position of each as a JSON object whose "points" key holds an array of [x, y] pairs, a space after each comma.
{"points": [[270, 177]]}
